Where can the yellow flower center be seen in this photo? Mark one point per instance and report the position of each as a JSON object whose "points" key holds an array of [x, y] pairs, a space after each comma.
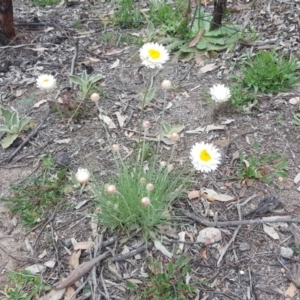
{"points": [[46, 80], [154, 54], [204, 155]]}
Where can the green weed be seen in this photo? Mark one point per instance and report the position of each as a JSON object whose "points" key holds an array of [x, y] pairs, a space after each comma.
{"points": [[167, 282], [13, 126], [31, 200], [296, 120], [127, 16], [261, 166], [25, 286], [43, 3], [240, 96], [269, 72], [168, 19]]}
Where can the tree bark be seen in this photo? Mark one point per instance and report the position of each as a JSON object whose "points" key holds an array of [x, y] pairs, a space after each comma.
{"points": [[219, 11], [7, 18]]}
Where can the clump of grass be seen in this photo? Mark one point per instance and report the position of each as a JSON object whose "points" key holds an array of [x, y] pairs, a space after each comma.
{"points": [[138, 196], [24, 285], [269, 72], [127, 16], [240, 96], [169, 20], [261, 166], [32, 199], [43, 3], [166, 282]]}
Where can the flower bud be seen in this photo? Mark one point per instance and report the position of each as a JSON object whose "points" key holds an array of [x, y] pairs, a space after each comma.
{"points": [[163, 163], [170, 167], [115, 148], [111, 189], [166, 84], [145, 201], [82, 175], [174, 137], [95, 97], [116, 206], [143, 180], [149, 187], [146, 124]]}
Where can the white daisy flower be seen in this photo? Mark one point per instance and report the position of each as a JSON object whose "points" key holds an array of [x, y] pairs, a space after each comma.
{"points": [[205, 157], [46, 82], [220, 93], [153, 55]]}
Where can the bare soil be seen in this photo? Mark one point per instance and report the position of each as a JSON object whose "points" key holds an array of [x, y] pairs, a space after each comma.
{"points": [[254, 271]]}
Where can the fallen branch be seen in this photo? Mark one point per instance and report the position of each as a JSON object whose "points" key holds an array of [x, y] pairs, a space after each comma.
{"points": [[80, 271], [208, 223], [129, 254], [31, 134], [228, 245]]}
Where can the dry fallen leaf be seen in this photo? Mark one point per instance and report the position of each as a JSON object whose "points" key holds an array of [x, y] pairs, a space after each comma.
{"points": [[193, 194], [196, 39], [204, 253], [74, 259], [38, 104], [271, 232], [214, 195], [222, 143], [115, 64], [39, 49], [159, 246], [70, 291], [53, 295], [207, 128], [297, 178], [83, 245], [120, 118], [80, 271], [208, 68], [291, 290], [108, 121]]}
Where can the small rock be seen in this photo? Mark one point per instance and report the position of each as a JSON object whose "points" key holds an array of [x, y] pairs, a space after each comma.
{"points": [[286, 252], [50, 264], [244, 247], [62, 159], [209, 235]]}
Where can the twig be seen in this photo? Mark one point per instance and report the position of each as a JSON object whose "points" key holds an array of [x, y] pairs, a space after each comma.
{"points": [[98, 246], [49, 220], [104, 285], [79, 289], [188, 71], [74, 60], [228, 245], [129, 254], [80, 271], [32, 133], [208, 223]]}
